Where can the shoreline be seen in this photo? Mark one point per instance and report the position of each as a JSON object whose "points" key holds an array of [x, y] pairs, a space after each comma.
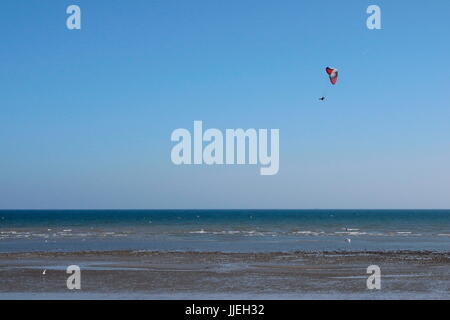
{"points": [[215, 252], [130, 251]]}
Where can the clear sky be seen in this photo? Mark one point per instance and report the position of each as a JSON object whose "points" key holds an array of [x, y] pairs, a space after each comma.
{"points": [[86, 115]]}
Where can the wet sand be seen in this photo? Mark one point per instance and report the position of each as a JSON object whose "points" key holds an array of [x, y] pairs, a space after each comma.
{"points": [[216, 275]]}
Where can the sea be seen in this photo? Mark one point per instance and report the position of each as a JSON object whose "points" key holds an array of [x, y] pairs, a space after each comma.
{"points": [[244, 231]]}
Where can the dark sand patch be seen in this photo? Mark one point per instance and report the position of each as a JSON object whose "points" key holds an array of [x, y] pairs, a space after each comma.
{"points": [[405, 274]]}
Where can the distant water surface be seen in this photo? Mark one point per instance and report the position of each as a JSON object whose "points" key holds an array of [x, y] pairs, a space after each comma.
{"points": [[224, 230]]}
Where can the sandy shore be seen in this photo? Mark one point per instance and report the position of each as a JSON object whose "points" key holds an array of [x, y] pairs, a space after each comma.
{"points": [[215, 275]]}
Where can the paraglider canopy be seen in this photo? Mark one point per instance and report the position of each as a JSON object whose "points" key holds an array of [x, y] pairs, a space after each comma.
{"points": [[333, 74]]}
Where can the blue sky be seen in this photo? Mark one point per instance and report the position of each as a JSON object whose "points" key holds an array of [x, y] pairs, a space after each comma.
{"points": [[86, 116]]}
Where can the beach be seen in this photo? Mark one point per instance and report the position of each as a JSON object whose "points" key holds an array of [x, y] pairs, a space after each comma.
{"points": [[218, 275], [225, 254]]}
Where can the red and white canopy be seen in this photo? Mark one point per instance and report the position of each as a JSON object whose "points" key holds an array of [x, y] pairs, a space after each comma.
{"points": [[333, 74]]}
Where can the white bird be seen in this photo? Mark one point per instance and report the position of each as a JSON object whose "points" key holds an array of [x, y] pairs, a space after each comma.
{"points": [[43, 272]]}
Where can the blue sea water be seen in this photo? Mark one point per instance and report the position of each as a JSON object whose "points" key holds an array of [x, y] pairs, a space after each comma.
{"points": [[224, 230]]}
